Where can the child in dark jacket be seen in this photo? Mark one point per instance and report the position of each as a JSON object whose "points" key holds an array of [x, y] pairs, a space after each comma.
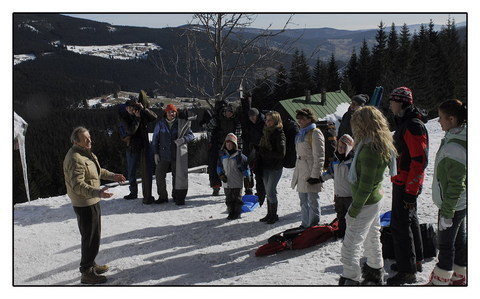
{"points": [[338, 170], [233, 170]]}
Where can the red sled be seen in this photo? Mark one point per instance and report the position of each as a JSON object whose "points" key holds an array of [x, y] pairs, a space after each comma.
{"points": [[298, 238]]}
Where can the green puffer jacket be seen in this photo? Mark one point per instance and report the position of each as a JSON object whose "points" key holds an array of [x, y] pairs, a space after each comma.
{"points": [[367, 189], [450, 175], [82, 176]]}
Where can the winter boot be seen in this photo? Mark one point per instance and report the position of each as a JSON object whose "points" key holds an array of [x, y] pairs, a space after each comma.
{"points": [[130, 196], [459, 276], [418, 266], [216, 191], [269, 213], [273, 216], [261, 198], [440, 277], [148, 201], [347, 282], [402, 278], [160, 200], [91, 277], [372, 276], [100, 269]]}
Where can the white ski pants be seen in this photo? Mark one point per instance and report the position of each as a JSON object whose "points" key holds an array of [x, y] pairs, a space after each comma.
{"points": [[362, 230]]}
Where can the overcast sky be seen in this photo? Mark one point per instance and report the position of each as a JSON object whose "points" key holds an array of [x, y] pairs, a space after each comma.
{"points": [[351, 21]]}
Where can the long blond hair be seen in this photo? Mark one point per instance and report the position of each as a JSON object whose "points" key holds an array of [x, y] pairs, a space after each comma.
{"points": [[369, 125]]}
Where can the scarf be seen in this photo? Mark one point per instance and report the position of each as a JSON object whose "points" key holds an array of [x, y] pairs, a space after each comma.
{"points": [[170, 122], [265, 140], [352, 173], [301, 134]]}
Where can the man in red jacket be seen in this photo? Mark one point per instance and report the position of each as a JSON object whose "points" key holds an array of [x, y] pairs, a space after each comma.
{"points": [[411, 142]]}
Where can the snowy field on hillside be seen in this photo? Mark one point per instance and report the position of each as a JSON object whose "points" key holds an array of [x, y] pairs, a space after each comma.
{"points": [[187, 245], [121, 51]]}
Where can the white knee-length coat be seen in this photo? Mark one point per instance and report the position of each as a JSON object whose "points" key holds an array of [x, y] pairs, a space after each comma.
{"points": [[309, 164]]}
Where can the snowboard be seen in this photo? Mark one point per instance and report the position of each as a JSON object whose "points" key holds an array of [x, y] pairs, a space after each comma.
{"points": [[376, 97]]}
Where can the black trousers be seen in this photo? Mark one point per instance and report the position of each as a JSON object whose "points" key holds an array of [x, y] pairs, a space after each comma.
{"points": [[213, 177], [161, 170], [341, 208], [406, 234], [452, 243], [233, 200], [89, 224]]}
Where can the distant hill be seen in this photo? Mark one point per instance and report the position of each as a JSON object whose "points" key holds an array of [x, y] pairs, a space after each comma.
{"points": [[41, 41]]}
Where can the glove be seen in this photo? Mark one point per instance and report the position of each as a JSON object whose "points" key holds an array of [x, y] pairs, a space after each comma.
{"points": [[444, 223], [179, 141], [409, 201], [157, 159], [313, 181], [247, 182], [223, 177]]}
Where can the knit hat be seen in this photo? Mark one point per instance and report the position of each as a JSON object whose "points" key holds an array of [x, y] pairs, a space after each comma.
{"points": [[231, 137], [402, 94], [305, 112], [171, 107], [253, 112], [361, 99], [349, 142]]}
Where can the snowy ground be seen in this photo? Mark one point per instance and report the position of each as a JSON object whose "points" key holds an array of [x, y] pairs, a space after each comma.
{"points": [[188, 245]]}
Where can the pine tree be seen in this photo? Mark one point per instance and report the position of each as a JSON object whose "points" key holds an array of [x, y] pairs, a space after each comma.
{"points": [[418, 72], [379, 57], [299, 79], [333, 79], [352, 74], [319, 77], [364, 69], [455, 58], [262, 94], [403, 60], [281, 85]]}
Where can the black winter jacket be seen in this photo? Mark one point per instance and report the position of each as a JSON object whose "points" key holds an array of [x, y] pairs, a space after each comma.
{"points": [[273, 159]]}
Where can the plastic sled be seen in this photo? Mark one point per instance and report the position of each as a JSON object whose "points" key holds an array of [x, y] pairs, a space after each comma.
{"points": [[250, 203]]}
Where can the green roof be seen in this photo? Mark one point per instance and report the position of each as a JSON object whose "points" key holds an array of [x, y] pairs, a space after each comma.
{"points": [[334, 99]]}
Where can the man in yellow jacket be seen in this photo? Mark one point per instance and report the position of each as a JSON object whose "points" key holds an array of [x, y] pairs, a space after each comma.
{"points": [[82, 173]]}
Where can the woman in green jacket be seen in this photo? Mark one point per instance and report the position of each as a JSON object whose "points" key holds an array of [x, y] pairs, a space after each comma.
{"points": [[374, 151], [449, 195]]}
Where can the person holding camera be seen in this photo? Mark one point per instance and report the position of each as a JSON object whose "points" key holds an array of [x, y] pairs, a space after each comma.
{"points": [[135, 122]]}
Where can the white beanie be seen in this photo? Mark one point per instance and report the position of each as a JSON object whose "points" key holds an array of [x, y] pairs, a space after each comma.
{"points": [[349, 142], [231, 137]]}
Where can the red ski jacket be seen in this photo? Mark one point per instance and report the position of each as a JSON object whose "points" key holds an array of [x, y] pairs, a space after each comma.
{"points": [[411, 142]]}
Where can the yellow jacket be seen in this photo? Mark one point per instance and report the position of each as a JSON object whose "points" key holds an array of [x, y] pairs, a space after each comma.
{"points": [[82, 176]]}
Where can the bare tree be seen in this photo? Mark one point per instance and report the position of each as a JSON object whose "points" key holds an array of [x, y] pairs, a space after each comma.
{"points": [[220, 54]]}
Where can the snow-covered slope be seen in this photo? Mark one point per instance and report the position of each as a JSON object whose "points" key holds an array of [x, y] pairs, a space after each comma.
{"points": [[186, 245]]}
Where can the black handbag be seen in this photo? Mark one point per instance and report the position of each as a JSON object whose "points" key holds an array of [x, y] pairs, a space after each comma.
{"points": [[388, 251], [429, 240]]}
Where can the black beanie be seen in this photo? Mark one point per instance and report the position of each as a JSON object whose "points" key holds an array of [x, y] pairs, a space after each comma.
{"points": [[361, 99]]}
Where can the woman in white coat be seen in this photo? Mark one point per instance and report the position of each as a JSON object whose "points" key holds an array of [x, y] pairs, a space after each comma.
{"points": [[310, 147]]}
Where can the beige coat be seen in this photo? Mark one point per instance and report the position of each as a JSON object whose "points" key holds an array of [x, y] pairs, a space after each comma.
{"points": [[310, 158], [82, 176]]}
